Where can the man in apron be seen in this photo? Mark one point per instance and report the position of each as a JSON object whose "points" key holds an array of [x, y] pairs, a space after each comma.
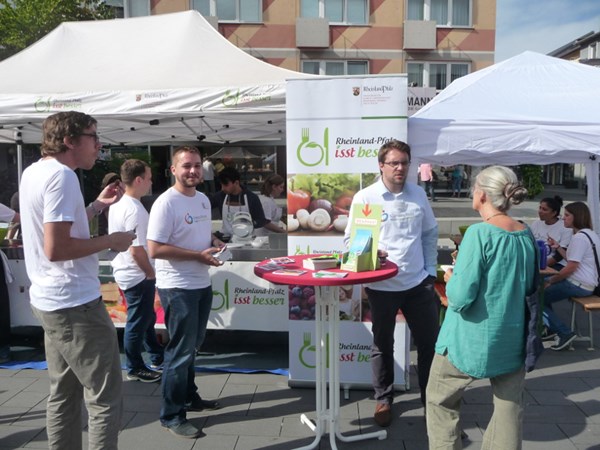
{"points": [[235, 200]]}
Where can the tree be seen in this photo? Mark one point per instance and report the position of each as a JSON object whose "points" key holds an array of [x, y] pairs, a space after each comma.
{"points": [[532, 179], [23, 22]]}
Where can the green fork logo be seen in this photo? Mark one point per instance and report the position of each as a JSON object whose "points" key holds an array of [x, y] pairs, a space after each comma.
{"points": [[230, 98], [308, 346], [311, 153], [221, 299]]}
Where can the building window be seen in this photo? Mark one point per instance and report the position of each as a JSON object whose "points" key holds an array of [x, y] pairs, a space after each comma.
{"points": [[335, 67], [437, 75], [129, 8], [230, 10], [350, 12], [446, 13]]}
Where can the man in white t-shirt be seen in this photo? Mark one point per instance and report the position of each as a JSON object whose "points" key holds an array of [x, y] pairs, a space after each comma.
{"points": [[134, 273], [181, 241], [82, 350]]}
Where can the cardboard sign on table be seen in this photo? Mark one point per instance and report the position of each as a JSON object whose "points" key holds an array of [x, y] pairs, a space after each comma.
{"points": [[365, 223]]}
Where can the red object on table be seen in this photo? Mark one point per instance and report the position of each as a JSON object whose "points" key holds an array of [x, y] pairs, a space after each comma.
{"points": [[387, 270]]}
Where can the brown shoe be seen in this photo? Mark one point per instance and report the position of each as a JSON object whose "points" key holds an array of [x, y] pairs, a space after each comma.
{"points": [[383, 414]]}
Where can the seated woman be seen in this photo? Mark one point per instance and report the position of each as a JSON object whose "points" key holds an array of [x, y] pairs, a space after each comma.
{"points": [[550, 225], [579, 276], [269, 191]]}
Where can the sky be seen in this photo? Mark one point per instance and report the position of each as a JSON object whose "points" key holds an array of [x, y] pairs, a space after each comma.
{"points": [[542, 25]]}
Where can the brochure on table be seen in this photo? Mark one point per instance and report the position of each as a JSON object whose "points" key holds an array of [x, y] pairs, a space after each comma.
{"points": [[335, 127]]}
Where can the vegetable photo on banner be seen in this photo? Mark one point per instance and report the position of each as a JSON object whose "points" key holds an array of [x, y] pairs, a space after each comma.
{"points": [[320, 203]]}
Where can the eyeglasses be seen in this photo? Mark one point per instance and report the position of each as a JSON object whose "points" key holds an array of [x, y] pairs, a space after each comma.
{"points": [[396, 164], [92, 135]]}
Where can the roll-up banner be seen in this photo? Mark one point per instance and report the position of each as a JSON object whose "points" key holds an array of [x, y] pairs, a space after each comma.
{"points": [[335, 127]]}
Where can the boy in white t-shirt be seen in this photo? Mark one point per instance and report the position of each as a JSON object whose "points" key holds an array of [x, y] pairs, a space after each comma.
{"points": [[134, 273], [181, 241]]}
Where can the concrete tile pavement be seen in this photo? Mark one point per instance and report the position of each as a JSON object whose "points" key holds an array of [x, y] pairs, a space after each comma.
{"points": [[260, 411]]}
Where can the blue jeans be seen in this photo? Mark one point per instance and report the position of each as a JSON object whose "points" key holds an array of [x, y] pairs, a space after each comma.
{"points": [[186, 316], [555, 293], [456, 185], [139, 329]]}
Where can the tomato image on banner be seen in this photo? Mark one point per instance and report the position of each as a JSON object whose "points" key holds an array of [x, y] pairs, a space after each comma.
{"points": [[320, 203]]}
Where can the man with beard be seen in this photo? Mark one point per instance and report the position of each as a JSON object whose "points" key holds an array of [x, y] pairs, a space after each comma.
{"points": [[180, 240], [409, 235]]}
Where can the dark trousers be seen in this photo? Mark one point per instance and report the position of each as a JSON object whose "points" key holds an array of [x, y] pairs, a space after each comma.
{"points": [[420, 310]]}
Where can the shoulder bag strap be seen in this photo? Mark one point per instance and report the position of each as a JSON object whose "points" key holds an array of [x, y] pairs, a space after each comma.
{"points": [[536, 273], [595, 255]]}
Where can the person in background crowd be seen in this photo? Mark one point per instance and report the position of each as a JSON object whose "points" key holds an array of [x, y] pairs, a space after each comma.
{"points": [[134, 274], [269, 191], [208, 172], [180, 239], [426, 176], [12, 217], [550, 225], [483, 332], [219, 166], [109, 178], [234, 198], [14, 230], [409, 233], [82, 350], [578, 278], [457, 177]]}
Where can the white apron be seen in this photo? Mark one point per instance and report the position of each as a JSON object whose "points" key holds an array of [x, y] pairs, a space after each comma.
{"points": [[228, 212]]}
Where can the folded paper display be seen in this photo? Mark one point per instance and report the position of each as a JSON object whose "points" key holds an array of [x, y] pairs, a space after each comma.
{"points": [[320, 262]]}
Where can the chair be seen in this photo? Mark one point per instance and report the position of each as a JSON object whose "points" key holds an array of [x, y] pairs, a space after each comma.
{"points": [[589, 305]]}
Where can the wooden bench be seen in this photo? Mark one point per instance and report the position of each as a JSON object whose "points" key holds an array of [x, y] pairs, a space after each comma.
{"points": [[589, 305]]}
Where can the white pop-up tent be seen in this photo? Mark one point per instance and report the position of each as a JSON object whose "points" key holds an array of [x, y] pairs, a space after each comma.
{"points": [[529, 109], [165, 78]]}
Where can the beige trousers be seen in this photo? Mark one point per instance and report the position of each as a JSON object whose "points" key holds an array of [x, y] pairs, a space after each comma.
{"points": [[444, 394], [82, 352]]}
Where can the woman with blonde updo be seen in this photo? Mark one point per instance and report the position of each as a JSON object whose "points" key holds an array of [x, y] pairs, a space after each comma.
{"points": [[483, 332]]}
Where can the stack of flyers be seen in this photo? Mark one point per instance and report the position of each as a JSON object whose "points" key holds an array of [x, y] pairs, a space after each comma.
{"points": [[327, 274], [271, 266], [283, 260], [289, 272]]}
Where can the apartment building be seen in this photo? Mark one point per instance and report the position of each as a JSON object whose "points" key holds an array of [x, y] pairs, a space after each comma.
{"points": [[584, 49], [433, 41]]}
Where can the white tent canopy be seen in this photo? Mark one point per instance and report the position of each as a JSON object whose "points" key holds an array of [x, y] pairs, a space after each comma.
{"points": [[529, 109], [164, 78]]}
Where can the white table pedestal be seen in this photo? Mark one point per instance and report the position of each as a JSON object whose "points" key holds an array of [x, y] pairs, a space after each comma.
{"points": [[327, 354]]}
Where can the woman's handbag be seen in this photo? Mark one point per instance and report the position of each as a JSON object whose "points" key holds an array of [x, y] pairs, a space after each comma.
{"points": [[597, 288], [533, 317]]}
